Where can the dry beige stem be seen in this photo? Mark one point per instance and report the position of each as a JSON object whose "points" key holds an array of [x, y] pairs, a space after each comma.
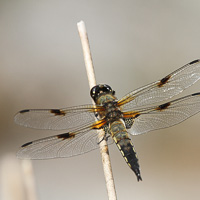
{"points": [[92, 82]]}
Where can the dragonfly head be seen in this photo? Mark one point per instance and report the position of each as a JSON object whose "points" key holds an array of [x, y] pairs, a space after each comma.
{"points": [[100, 89]]}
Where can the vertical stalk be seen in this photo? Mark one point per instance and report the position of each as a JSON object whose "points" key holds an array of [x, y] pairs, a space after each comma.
{"points": [[92, 82]]}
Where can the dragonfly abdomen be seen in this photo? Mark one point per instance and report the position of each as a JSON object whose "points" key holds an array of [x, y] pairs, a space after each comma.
{"points": [[124, 144], [127, 150]]}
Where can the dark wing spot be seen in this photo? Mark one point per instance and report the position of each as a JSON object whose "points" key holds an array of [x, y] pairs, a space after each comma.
{"points": [[194, 61], [27, 144], [65, 136], [57, 112], [163, 106], [137, 115], [24, 111], [131, 114], [98, 124], [164, 81], [198, 93], [128, 122]]}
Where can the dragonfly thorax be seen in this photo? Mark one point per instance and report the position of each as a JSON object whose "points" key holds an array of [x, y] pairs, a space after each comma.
{"points": [[112, 112], [104, 95]]}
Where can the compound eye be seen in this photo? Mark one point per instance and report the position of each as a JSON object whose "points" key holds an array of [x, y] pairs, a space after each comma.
{"points": [[94, 91], [107, 88], [100, 89]]}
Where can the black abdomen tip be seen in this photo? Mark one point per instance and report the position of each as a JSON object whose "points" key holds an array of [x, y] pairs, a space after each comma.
{"points": [[139, 178]]}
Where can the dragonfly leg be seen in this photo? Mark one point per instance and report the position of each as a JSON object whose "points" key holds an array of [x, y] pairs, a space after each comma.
{"points": [[106, 135]]}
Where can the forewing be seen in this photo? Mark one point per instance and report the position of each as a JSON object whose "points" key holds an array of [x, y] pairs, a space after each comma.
{"points": [[58, 119], [164, 115], [63, 145], [163, 89]]}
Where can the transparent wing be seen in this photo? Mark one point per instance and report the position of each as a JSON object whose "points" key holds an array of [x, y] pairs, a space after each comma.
{"points": [[163, 89], [165, 115], [63, 145], [58, 119]]}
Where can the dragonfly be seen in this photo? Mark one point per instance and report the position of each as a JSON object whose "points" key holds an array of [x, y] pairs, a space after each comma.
{"points": [[138, 112]]}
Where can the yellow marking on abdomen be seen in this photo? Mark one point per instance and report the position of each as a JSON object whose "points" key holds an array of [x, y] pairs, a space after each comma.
{"points": [[122, 153], [119, 147], [126, 159], [115, 139]]}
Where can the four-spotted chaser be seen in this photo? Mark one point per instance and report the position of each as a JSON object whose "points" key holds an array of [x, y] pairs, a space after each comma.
{"points": [[134, 114]]}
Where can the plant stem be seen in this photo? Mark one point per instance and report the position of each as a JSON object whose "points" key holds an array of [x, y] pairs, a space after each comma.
{"points": [[92, 82]]}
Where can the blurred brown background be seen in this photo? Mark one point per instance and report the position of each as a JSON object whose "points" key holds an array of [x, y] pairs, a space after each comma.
{"points": [[133, 43]]}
